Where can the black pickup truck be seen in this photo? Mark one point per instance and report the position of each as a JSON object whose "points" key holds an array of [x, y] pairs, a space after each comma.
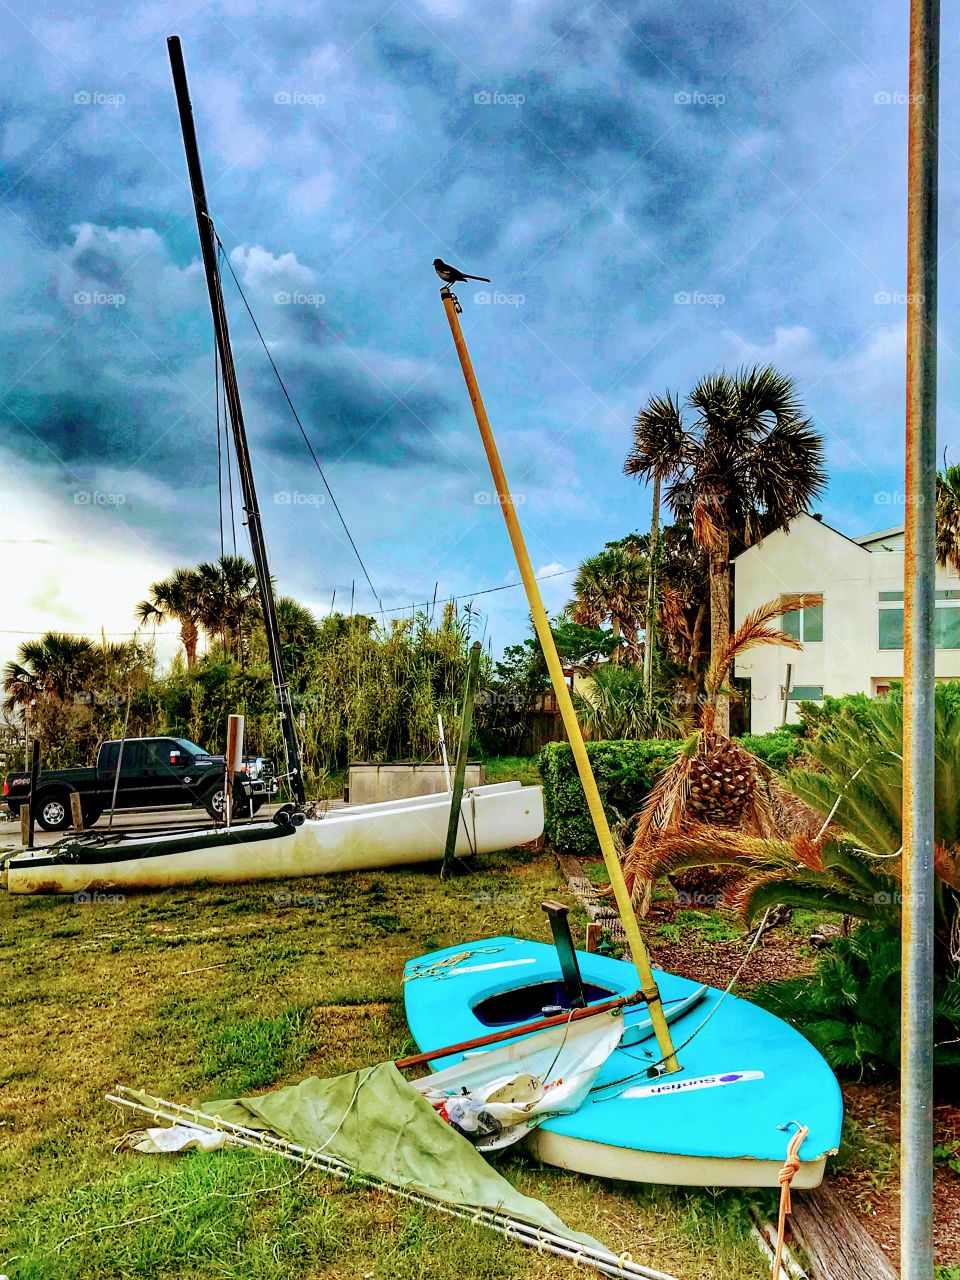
{"points": [[154, 772]]}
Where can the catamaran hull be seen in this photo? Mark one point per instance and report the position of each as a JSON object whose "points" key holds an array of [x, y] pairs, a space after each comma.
{"points": [[392, 834], [725, 1119]]}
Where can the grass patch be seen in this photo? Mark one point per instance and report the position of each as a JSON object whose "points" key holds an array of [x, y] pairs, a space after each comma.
{"points": [[513, 769], [241, 1056], [714, 925], [226, 990]]}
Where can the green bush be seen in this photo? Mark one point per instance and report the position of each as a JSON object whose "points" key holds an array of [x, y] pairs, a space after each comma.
{"points": [[779, 749], [850, 1007], [625, 772]]}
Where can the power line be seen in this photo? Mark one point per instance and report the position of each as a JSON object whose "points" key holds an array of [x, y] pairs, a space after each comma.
{"points": [[486, 591], [420, 604]]}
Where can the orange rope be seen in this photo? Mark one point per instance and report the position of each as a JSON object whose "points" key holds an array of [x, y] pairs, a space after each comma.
{"points": [[786, 1176]]}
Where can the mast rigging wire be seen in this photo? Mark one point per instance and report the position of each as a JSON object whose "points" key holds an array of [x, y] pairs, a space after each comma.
{"points": [[296, 417]]}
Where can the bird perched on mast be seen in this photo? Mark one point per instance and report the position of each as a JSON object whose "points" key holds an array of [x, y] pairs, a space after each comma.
{"points": [[450, 275]]}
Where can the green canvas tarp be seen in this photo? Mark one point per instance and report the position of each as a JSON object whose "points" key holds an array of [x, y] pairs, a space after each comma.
{"points": [[377, 1123]]}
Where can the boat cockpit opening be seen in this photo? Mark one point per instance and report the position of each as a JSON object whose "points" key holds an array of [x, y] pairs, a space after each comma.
{"points": [[540, 1000]]}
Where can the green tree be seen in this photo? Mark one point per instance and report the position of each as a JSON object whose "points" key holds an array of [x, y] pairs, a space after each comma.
{"points": [[611, 586], [657, 453], [55, 666], [229, 601], [948, 518], [750, 461], [177, 597]]}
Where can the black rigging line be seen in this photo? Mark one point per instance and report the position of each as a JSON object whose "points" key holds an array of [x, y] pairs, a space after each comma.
{"points": [[228, 441], [216, 391], [296, 418]]}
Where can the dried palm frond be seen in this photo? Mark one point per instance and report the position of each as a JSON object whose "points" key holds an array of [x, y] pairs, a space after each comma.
{"points": [[946, 864], [755, 630], [791, 816], [701, 844], [708, 532]]}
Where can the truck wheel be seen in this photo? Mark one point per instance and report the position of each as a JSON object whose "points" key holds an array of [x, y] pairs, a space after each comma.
{"points": [[215, 805], [53, 812]]}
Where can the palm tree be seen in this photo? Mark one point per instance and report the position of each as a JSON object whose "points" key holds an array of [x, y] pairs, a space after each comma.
{"points": [[948, 517], [748, 464], [714, 782], [657, 453], [55, 666], [614, 703], [229, 600], [612, 585], [850, 862], [177, 597], [299, 633]]}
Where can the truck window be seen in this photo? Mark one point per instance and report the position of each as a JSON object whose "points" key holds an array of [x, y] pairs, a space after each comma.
{"points": [[156, 755], [110, 753]]}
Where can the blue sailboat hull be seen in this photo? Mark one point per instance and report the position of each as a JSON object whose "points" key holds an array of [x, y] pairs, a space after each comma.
{"points": [[725, 1119]]}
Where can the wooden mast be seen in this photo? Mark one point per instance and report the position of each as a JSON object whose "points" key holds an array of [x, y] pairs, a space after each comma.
{"points": [[541, 622]]}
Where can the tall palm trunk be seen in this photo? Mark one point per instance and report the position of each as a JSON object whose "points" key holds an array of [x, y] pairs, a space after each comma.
{"points": [[649, 639], [189, 637], [720, 617]]}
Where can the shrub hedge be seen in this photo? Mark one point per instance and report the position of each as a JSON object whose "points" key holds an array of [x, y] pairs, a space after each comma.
{"points": [[625, 772]]}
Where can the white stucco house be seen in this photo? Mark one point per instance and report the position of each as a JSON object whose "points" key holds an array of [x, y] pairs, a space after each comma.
{"points": [[853, 640]]}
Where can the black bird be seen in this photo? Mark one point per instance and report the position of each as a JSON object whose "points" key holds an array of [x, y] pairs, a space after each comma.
{"points": [[450, 275]]}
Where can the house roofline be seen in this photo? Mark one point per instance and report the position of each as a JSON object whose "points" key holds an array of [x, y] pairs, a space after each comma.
{"points": [[857, 542], [881, 533]]}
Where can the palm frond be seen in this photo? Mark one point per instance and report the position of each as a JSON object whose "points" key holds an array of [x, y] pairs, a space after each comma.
{"points": [[756, 630]]}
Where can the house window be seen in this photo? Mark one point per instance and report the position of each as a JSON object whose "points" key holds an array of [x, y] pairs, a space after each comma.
{"points": [[805, 625], [947, 627], [891, 628], [946, 620], [806, 693]]}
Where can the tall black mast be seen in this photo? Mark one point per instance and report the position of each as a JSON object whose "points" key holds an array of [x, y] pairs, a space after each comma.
{"points": [[208, 248]]}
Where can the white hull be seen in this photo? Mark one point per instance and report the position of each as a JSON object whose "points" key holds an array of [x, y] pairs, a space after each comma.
{"points": [[600, 1160], [393, 833]]}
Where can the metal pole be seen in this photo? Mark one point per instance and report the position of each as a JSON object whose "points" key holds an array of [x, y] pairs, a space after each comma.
{"points": [[541, 622], [208, 250], [231, 764], [916, 1066], [34, 781], [463, 750]]}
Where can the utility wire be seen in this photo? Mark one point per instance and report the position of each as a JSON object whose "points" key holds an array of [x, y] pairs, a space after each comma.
{"points": [[423, 604], [296, 418]]}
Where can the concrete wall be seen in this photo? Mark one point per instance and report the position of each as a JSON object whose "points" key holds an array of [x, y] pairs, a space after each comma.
{"points": [[850, 575], [371, 783]]}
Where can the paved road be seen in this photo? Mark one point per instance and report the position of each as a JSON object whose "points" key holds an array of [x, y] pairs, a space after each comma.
{"points": [[131, 820]]}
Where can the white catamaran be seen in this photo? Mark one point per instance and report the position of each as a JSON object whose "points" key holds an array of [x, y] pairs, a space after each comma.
{"points": [[390, 834]]}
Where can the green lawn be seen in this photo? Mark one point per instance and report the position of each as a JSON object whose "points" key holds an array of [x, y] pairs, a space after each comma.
{"points": [[509, 768], [210, 992]]}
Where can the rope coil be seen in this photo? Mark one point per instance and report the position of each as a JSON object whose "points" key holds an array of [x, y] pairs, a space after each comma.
{"points": [[786, 1175]]}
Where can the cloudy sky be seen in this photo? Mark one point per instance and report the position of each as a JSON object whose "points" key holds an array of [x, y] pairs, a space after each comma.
{"points": [[656, 191]]}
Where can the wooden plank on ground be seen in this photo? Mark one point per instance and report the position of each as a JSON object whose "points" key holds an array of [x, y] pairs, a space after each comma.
{"points": [[835, 1242], [599, 910]]}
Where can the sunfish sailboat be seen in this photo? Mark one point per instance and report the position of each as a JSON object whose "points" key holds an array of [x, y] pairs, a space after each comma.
{"points": [[702, 1088], [724, 1119]]}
